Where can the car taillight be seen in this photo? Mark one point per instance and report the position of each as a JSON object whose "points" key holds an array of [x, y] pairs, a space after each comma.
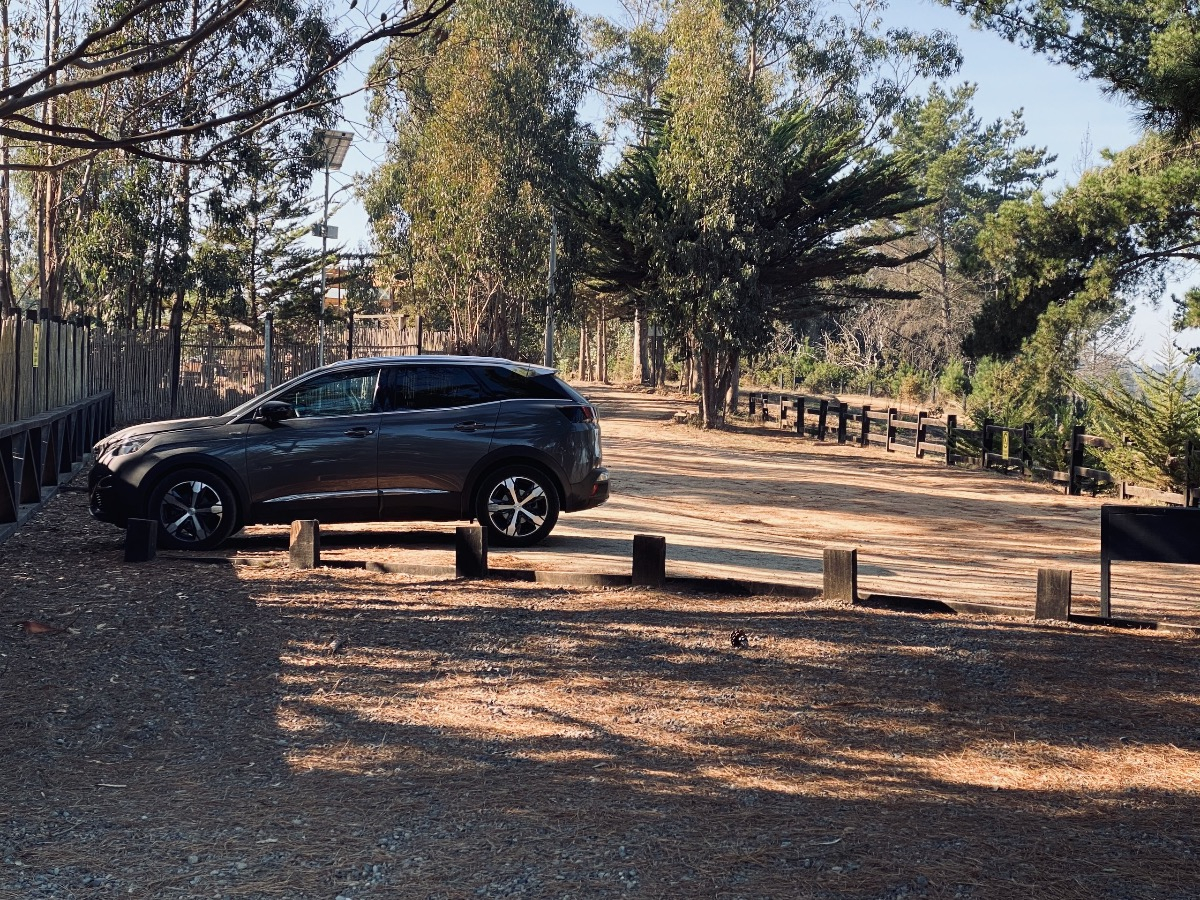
{"points": [[579, 413]]}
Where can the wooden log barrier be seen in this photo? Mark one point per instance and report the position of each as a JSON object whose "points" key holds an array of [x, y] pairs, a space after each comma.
{"points": [[141, 540], [649, 560], [1053, 594], [840, 574], [470, 551], [304, 544]]}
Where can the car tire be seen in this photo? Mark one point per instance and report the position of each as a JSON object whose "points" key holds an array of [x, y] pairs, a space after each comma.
{"points": [[518, 505], [195, 510]]}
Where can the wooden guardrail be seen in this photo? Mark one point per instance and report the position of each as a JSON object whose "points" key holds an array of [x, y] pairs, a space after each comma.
{"points": [[40, 453], [992, 446]]}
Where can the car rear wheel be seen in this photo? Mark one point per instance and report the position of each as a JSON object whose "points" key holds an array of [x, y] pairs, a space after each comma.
{"points": [[518, 504], [194, 509]]}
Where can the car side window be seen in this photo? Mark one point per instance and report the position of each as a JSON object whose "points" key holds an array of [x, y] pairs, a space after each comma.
{"points": [[431, 386], [334, 394]]}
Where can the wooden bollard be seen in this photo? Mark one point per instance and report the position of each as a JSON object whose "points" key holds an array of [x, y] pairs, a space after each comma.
{"points": [[470, 551], [141, 540], [304, 547], [1053, 594], [649, 560], [840, 575]]}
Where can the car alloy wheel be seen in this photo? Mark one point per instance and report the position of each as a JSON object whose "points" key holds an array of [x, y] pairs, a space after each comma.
{"points": [[194, 510], [519, 505]]}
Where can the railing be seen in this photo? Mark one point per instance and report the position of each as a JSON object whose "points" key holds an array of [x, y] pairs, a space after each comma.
{"points": [[992, 447], [40, 453]]}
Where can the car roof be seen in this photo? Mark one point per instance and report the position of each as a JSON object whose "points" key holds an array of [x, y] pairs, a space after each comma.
{"points": [[439, 358]]}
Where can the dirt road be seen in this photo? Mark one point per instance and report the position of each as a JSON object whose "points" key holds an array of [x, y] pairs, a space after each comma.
{"points": [[765, 505]]}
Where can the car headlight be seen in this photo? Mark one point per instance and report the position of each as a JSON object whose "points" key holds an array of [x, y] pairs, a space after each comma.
{"points": [[130, 444]]}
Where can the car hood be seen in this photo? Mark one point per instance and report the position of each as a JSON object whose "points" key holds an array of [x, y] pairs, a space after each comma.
{"points": [[166, 425]]}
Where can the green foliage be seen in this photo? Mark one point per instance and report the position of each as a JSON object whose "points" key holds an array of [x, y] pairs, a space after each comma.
{"points": [[1147, 51], [485, 140], [1150, 421], [1092, 248], [954, 380]]}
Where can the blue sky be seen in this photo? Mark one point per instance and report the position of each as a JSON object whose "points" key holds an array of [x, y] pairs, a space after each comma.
{"points": [[1062, 112]]}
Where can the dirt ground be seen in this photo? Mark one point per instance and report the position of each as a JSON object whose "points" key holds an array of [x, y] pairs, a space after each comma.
{"points": [[242, 730], [761, 504]]}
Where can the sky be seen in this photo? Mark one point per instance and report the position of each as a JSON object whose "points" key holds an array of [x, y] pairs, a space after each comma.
{"points": [[1069, 116]]}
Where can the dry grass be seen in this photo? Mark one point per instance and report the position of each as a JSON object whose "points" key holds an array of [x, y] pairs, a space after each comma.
{"points": [[194, 736]]}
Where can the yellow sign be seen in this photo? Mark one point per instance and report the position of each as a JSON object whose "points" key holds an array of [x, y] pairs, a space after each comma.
{"points": [[37, 342], [1004, 446]]}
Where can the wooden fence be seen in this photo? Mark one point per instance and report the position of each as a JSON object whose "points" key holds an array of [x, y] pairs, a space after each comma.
{"points": [[43, 365], [991, 446], [217, 372]]}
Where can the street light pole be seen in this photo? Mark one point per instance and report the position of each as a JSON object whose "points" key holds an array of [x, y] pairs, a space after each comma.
{"points": [[336, 143], [324, 259], [548, 350]]}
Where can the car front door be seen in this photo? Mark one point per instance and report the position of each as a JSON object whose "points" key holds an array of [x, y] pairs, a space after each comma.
{"points": [[322, 463], [437, 423]]}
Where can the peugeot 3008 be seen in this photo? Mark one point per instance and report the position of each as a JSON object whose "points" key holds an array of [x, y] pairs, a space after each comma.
{"points": [[438, 438]]}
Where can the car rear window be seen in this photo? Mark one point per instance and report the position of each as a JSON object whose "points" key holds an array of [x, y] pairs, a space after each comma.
{"points": [[509, 384]]}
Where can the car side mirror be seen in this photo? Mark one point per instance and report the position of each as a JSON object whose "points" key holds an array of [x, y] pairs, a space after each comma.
{"points": [[274, 411]]}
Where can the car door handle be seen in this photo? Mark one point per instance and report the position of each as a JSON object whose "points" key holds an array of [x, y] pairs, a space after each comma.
{"points": [[469, 426], [360, 432]]}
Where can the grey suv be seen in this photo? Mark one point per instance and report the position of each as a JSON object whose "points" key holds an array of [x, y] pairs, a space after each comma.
{"points": [[388, 439]]}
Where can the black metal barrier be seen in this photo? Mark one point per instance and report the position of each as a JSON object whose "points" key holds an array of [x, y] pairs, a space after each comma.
{"points": [[1145, 534], [40, 453]]}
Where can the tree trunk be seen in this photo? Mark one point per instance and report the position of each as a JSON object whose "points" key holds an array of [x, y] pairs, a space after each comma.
{"points": [[641, 357], [602, 344], [584, 362], [733, 388], [710, 412], [7, 298]]}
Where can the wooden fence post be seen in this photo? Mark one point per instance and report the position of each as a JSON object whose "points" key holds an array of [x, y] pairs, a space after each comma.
{"points": [[840, 575], [1053, 594], [843, 409], [18, 321], [350, 335], [782, 406], [864, 439], [1189, 489], [1027, 450], [801, 409], [649, 560], [921, 417], [951, 424], [985, 442], [470, 551], [304, 545], [420, 335], [766, 400], [1076, 461], [141, 540], [750, 397], [822, 419], [268, 348], [892, 413]]}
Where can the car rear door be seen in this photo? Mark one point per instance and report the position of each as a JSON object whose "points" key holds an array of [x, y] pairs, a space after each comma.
{"points": [[437, 422], [321, 464]]}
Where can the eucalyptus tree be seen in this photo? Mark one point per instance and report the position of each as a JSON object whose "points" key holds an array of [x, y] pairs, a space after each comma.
{"points": [[485, 137], [183, 84]]}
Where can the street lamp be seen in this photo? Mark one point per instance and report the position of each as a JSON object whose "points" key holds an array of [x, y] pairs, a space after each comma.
{"points": [[335, 144]]}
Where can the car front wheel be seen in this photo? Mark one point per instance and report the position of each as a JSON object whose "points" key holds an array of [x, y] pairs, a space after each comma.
{"points": [[518, 504], [194, 509]]}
